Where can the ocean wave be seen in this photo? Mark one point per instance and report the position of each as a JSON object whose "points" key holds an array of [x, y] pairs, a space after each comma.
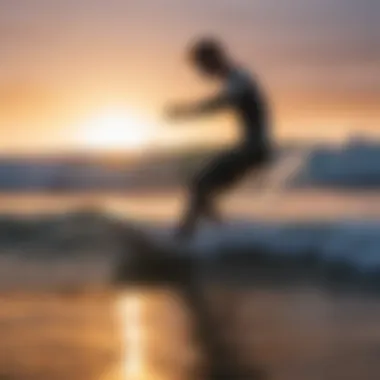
{"points": [[352, 242], [340, 244]]}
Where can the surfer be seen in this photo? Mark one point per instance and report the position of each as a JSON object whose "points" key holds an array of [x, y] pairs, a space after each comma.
{"points": [[242, 95]]}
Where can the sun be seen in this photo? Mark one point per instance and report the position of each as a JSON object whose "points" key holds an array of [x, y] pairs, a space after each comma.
{"points": [[116, 129]]}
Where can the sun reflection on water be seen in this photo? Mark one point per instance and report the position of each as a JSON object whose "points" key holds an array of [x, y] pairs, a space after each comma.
{"points": [[156, 336], [131, 311]]}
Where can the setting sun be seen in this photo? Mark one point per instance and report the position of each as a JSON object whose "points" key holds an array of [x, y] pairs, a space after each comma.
{"points": [[116, 129]]}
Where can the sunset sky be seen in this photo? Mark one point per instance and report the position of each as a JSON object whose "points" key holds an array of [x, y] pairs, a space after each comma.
{"points": [[65, 64]]}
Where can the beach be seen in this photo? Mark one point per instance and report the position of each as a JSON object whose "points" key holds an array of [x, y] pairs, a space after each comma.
{"points": [[63, 316], [299, 333]]}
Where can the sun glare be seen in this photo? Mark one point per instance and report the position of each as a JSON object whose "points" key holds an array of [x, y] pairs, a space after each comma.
{"points": [[131, 308], [115, 129]]}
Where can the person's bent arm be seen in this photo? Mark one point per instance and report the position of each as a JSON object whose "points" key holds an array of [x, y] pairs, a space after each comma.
{"points": [[232, 93], [200, 108]]}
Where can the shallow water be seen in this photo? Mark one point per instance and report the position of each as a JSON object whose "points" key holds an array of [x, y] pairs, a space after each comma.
{"points": [[166, 206], [299, 333], [302, 333]]}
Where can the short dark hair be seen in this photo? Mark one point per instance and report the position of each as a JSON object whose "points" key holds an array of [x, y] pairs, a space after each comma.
{"points": [[205, 49]]}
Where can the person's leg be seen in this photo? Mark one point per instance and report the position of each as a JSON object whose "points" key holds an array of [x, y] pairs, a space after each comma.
{"points": [[201, 205], [195, 209], [211, 212], [218, 176], [201, 198]]}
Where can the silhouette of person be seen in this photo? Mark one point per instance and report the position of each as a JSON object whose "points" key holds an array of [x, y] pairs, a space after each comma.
{"points": [[242, 95]]}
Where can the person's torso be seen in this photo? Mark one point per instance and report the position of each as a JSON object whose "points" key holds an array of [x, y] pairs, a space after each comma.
{"points": [[250, 107]]}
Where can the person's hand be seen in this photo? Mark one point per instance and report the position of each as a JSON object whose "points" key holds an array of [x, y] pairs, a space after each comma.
{"points": [[175, 112]]}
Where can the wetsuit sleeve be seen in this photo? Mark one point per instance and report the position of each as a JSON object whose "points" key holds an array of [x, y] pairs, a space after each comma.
{"points": [[212, 104], [228, 97], [234, 90]]}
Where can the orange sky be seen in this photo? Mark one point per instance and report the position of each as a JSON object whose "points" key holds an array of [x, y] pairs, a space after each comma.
{"points": [[65, 61]]}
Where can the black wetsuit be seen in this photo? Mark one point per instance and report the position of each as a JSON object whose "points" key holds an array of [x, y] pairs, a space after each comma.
{"points": [[244, 97]]}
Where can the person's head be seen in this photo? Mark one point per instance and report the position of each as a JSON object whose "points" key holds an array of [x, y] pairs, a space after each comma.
{"points": [[209, 56]]}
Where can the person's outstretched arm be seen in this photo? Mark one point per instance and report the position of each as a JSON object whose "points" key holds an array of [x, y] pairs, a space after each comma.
{"points": [[224, 99], [200, 108]]}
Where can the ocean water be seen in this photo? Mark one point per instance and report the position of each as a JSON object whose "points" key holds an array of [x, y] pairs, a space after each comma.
{"points": [[296, 334], [61, 316]]}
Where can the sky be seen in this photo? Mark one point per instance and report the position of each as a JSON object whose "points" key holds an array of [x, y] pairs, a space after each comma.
{"points": [[64, 64]]}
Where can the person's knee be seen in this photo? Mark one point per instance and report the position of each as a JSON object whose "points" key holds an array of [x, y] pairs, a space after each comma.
{"points": [[199, 197], [199, 185]]}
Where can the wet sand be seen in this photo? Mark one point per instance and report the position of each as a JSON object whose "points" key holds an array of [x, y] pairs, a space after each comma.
{"points": [[301, 333], [295, 333]]}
